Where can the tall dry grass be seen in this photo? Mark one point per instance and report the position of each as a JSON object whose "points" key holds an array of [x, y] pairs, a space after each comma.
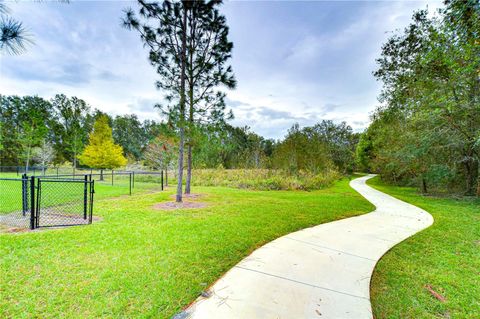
{"points": [[263, 179]]}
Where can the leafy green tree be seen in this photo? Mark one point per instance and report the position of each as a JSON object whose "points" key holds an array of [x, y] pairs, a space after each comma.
{"points": [[431, 94], [72, 124], [129, 133], [28, 129], [340, 141], [302, 151], [315, 149], [101, 151], [230, 147]]}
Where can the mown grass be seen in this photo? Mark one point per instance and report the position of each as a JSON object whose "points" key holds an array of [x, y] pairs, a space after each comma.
{"points": [[445, 257], [140, 262]]}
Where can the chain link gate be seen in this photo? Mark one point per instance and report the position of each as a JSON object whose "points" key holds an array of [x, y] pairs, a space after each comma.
{"points": [[33, 202]]}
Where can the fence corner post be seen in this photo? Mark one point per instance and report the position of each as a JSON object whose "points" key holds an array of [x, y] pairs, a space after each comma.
{"points": [[85, 200]]}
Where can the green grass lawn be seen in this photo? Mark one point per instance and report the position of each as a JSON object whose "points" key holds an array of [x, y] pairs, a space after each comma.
{"points": [[142, 262], [445, 256]]}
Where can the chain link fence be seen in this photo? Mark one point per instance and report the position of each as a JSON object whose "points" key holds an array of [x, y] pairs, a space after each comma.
{"points": [[15, 202], [34, 202], [119, 178], [121, 182]]}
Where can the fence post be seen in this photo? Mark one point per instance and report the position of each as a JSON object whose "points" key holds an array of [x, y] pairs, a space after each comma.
{"points": [[24, 194], [32, 202], [112, 177], [161, 178], [130, 185], [101, 174], [85, 201], [133, 180], [38, 200], [92, 191]]}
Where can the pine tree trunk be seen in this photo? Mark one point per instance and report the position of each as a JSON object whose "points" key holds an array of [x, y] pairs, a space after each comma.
{"points": [[190, 105], [27, 163], [180, 166], [189, 170], [182, 106]]}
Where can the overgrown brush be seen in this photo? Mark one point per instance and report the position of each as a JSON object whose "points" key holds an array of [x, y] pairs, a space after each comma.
{"points": [[264, 179]]}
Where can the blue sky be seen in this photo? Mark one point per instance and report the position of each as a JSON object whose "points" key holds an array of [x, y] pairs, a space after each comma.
{"points": [[294, 61]]}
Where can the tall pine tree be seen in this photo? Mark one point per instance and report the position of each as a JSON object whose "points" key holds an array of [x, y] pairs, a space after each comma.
{"points": [[163, 29], [208, 51], [189, 47]]}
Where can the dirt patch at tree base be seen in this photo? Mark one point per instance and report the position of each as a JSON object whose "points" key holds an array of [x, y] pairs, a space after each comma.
{"points": [[175, 205], [190, 196]]}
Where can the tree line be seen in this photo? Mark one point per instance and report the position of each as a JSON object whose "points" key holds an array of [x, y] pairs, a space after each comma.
{"points": [[427, 132], [30, 125]]}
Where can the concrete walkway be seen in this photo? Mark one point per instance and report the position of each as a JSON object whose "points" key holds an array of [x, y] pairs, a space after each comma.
{"points": [[319, 272]]}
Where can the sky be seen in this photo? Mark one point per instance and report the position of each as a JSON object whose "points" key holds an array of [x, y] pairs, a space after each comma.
{"points": [[295, 61]]}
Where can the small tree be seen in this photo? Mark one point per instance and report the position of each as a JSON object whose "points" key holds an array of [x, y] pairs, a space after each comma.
{"points": [[101, 151], [72, 126], [161, 153], [44, 154], [33, 114]]}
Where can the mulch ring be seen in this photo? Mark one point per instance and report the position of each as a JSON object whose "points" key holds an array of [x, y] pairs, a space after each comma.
{"points": [[188, 203]]}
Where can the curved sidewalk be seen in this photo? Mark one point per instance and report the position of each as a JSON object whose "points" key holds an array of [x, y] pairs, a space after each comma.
{"points": [[318, 272]]}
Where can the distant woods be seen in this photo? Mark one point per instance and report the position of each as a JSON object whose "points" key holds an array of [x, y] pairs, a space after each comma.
{"points": [[427, 133]]}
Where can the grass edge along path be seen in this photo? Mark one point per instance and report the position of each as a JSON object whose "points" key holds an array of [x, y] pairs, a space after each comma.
{"points": [[435, 273], [140, 262]]}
